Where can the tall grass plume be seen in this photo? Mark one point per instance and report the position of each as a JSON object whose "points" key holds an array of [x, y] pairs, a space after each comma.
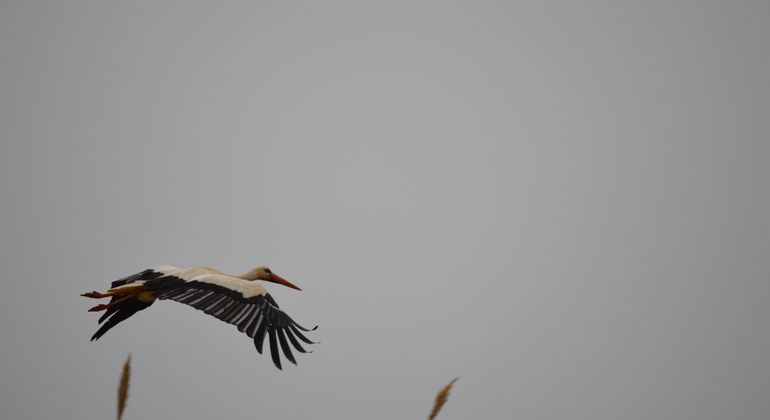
{"points": [[125, 378], [441, 398]]}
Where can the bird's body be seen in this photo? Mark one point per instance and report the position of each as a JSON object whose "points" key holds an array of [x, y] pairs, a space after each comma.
{"points": [[236, 300]]}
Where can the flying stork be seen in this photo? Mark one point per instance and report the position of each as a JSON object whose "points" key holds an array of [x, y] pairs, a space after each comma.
{"points": [[236, 300]]}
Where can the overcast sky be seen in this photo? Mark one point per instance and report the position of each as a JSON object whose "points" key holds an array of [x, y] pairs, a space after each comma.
{"points": [[563, 203]]}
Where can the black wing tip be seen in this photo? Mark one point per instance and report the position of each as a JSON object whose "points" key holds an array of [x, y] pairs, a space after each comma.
{"points": [[285, 346], [101, 332], [300, 327]]}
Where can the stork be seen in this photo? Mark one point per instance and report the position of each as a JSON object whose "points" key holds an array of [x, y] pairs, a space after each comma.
{"points": [[236, 300]]}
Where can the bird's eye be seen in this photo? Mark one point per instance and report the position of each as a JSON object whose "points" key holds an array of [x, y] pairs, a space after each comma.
{"points": [[267, 270]]}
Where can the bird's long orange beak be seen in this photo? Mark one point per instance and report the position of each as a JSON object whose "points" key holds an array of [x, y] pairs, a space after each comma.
{"points": [[280, 280]]}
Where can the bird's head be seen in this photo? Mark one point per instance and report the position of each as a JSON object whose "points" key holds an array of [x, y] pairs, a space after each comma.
{"points": [[264, 273]]}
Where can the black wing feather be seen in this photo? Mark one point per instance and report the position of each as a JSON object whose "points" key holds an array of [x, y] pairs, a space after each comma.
{"points": [[274, 349], [285, 346], [259, 335], [294, 341], [300, 335]]}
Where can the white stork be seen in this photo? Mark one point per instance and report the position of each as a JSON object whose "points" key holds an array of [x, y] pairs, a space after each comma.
{"points": [[236, 300]]}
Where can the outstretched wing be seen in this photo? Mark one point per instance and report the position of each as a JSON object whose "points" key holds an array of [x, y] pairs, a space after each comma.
{"points": [[246, 305]]}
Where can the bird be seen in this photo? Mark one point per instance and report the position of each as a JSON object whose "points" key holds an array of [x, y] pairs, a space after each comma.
{"points": [[236, 300]]}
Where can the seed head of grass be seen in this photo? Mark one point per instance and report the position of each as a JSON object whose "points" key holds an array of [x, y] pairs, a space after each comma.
{"points": [[125, 378], [441, 398]]}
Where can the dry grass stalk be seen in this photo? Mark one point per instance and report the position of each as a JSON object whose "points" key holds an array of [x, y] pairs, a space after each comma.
{"points": [[123, 387], [441, 398]]}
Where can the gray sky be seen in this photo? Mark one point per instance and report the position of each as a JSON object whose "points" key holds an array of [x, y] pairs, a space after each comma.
{"points": [[563, 203]]}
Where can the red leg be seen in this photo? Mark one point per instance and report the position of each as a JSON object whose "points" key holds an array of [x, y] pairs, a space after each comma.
{"points": [[104, 306]]}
